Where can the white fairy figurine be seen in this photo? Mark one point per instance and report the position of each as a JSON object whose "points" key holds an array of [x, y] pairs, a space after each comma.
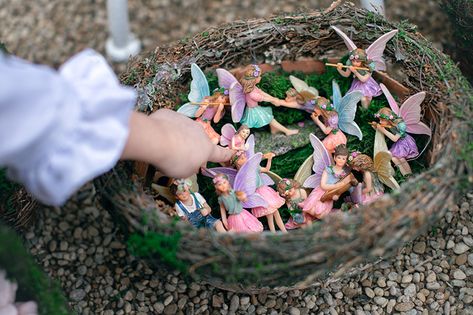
{"points": [[361, 63], [396, 123], [202, 106], [338, 117], [235, 139]]}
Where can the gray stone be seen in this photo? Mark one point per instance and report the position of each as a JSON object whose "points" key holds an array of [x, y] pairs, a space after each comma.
{"points": [[419, 248], [459, 275], [390, 306], [369, 292], [468, 240], [404, 307], [460, 248], [234, 303], [410, 290], [381, 301], [171, 309], [406, 279], [294, 311], [77, 295]]}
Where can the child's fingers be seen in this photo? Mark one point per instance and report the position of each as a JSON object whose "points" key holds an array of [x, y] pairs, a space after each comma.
{"points": [[220, 154]]}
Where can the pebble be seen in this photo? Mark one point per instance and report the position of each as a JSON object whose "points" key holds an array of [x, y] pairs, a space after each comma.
{"points": [[77, 295], [460, 248], [294, 311], [459, 275], [410, 290], [419, 248], [404, 307], [235, 302], [369, 292]]}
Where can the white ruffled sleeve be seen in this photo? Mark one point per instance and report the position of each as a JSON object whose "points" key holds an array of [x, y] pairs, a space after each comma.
{"points": [[59, 130]]}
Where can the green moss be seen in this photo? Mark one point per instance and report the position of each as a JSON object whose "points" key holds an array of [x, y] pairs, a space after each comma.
{"points": [[33, 284]]}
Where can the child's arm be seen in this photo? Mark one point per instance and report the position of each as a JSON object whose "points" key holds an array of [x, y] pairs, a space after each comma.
{"points": [[219, 113], [269, 156], [368, 180], [172, 142], [207, 210]]}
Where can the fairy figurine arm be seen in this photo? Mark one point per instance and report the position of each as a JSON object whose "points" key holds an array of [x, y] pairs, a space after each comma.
{"points": [[199, 90], [346, 108], [321, 159]]}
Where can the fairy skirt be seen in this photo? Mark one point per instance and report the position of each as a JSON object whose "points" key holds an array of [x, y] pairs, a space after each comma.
{"points": [[332, 140], [272, 198], [404, 148], [314, 206], [369, 88], [213, 135], [257, 117], [244, 222]]}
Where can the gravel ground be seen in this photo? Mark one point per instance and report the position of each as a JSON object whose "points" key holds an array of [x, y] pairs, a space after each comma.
{"points": [[80, 245]]}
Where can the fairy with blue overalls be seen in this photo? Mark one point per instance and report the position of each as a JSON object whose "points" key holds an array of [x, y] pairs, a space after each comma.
{"points": [[192, 207]]}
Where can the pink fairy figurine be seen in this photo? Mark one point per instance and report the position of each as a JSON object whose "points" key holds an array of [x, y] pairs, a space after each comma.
{"points": [[361, 63], [245, 96], [203, 106], [8, 296], [272, 198], [396, 122], [294, 195], [326, 178], [235, 139], [242, 196]]}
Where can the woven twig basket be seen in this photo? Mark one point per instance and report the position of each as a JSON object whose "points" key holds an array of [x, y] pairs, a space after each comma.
{"points": [[346, 242]]}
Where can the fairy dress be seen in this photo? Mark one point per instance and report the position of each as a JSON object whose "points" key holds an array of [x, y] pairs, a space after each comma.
{"points": [[336, 136], [378, 190], [256, 116], [205, 121], [239, 220], [406, 146], [369, 88], [313, 205], [292, 205], [270, 195]]}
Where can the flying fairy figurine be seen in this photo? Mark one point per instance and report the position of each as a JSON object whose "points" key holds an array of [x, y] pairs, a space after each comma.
{"points": [[245, 97], [202, 106], [301, 96], [361, 64]]}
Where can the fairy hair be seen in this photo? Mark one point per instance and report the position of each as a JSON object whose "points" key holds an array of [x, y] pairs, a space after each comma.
{"points": [[247, 77], [363, 162], [285, 185], [359, 54], [243, 127], [388, 115], [341, 149]]}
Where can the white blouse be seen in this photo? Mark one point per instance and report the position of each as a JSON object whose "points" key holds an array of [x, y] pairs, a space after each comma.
{"points": [[60, 129]]}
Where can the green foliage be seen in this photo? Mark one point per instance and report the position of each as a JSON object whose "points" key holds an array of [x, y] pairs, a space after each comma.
{"points": [[163, 246], [33, 284], [7, 189], [3, 48]]}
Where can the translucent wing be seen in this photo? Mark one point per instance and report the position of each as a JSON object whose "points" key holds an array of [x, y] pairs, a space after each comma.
{"points": [[382, 167], [237, 100], [346, 114], [305, 170], [199, 85], [246, 178], [270, 178], [357, 194], [225, 78], [228, 131], [188, 109], [410, 113], [211, 172], [321, 160], [348, 42], [300, 86], [376, 50], [250, 142], [254, 201], [336, 96], [379, 143], [390, 98]]}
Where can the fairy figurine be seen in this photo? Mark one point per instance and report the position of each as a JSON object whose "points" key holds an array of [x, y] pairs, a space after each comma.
{"points": [[337, 117], [192, 207], [374, 172], [301, 95], [294, 195], [361, 63], [245, 96], [242, 196], [329, 181], [202, 106], [396, 122], [235, 139]]}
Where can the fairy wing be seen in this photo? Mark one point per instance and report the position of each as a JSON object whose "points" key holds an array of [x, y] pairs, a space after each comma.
{"points": [[225, 78], [211, 172], [357, 194], [188, 109], [246, 181], [305, 170], [237, 101], [411, 114], [199, 85], [336, 95], [321, 160], [250, 141], [300, 86], [346, 114], [348, 42], [270, 178], [379, 143], [392, 102], [228, 131], [376, 50], [382, 167]]}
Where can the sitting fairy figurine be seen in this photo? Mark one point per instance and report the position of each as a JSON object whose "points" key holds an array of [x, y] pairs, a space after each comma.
{"points": [[329, 181], [235, 139], [272, 198], [192, 206], [371, 188], [396, 122], [338, 117], [291, 190], [203, 106], [245, 97], [361, 63], [239, 220]]}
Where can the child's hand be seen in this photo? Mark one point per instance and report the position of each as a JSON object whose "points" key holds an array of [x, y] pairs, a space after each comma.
{"points": [[174, 143]]}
